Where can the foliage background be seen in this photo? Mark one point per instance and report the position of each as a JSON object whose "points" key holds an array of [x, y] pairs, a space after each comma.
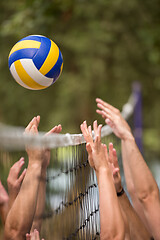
{"points": [[106, 45]]}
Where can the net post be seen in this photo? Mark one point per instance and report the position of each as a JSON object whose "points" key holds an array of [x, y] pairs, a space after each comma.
{"points": [[137, 115]]}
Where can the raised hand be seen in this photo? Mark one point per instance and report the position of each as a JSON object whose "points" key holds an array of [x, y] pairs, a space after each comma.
{"points": [[97, 152], [32, 128], [87, 133], [56, 129], [112, 224], [14, 180], [41, 153], [114, 119], [114, 166]]}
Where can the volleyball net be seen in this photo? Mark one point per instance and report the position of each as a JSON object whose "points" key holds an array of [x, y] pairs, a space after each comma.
{"points": [[72, 201]]}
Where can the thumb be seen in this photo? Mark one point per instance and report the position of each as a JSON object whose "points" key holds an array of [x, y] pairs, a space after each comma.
{"points": [[21, 177], [88, 148]]}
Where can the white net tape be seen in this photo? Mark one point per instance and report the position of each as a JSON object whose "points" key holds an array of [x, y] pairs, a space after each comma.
{"points": [[13, 138]]}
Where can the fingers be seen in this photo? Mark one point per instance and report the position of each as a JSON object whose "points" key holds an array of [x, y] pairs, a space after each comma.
{"points": [[34, 235], [56, 129], [20, 179], [84, 129], [107, 113], [115, 158], [116, 172], [111, 153], [97, 131], [90, 130], [89, 150], [105, 104], [28, 128], [35, 121], [108, 117], [16, 168], [28, 236], [109, 121], [87, 132], [100, 112], [34, 130], [105, 151], [59, 129], [95, 127], [90, 145]]}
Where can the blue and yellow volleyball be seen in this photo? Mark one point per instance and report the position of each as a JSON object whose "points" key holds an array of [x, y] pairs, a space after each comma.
{"points": [[35, 62]]}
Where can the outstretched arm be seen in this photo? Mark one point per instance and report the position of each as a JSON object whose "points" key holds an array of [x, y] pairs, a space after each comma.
{"points": [[20, 216], [42, 186], [111, 220], [136, 227], [138, 176]]}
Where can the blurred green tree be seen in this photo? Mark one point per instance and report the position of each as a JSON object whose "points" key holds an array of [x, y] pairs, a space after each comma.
{"points": [[106, 46]]}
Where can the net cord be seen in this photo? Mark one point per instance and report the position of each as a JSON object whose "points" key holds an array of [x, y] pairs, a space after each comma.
{"points": [[13, 138]]}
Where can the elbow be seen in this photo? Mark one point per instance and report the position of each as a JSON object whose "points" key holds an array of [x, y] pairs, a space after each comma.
{"points": [[149, 194], [114, 232], [131, 191], [12, 233], [113, 236], [107, 237]]}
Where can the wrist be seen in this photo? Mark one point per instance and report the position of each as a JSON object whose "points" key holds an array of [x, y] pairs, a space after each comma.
{"points": [[103, 169], [35, 161], [128, 136], [35, 164]]}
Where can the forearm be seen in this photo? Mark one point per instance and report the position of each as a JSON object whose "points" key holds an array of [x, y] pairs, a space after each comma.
{"points": [[126, 168], [20, 217], [112, 224], [40, 203], [139, 171], [145, 187], [12, 198], [4, 211], [130, 185], [137, 229]]}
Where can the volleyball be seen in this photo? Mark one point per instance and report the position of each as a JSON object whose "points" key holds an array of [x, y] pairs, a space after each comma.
{"points": [[35, 62]]}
